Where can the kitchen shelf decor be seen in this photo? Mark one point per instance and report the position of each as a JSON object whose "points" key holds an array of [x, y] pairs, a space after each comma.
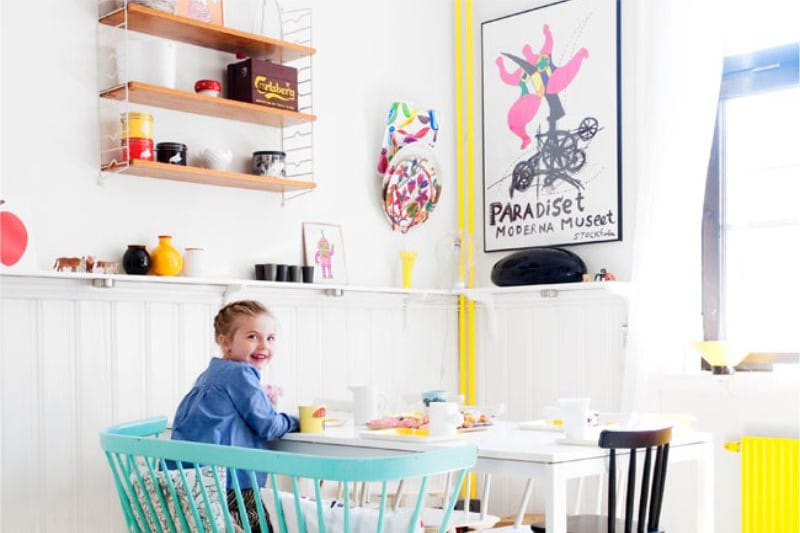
{"points": [[222, 178], [182, 29], [296, 127], [165, 97]]}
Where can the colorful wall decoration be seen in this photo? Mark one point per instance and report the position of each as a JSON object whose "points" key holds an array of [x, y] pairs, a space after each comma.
{"points": [[551, 126], [408, 166]]}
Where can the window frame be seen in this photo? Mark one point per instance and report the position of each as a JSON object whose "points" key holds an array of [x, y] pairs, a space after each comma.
{"points": [[743, 75]]}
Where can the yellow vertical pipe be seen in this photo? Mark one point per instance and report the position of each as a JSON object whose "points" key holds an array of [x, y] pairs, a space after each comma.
{"points": [[462, 323], [470, 206], [470, 251]]}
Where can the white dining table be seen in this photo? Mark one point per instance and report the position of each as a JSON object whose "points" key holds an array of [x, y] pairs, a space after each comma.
{"points": [[506, 449]]}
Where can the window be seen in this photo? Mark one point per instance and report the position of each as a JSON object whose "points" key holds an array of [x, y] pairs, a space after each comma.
{"points": [[751, 226]]}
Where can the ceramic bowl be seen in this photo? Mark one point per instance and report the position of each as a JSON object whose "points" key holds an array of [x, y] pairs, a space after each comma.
{"points": [[216, 158]]}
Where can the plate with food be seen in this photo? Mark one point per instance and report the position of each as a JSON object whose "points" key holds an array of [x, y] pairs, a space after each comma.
{"points": [[412, 420], [419, 434], [478, 417], [475, 419], [553, 424], [334, 422]]}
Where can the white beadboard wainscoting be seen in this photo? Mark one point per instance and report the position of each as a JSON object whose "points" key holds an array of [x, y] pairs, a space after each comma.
{"points": [[533, 349], [75, 358]]}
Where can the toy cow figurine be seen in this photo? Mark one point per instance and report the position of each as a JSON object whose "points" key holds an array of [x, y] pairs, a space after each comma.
{"points": [[72, 263], [108, 267]]}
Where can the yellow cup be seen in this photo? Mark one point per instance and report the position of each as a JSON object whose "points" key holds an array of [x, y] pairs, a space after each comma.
{"points": [[312, 418], [407, 257]]}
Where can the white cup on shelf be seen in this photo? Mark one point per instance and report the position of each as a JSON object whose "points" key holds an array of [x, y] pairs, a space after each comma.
{"points": [[147, 60]]}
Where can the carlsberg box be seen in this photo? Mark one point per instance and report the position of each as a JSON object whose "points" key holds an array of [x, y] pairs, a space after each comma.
{"points": [[263, 82]]}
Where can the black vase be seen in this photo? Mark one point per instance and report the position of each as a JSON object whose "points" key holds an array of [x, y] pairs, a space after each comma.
{"points": [[538, 266], [136, 260]]}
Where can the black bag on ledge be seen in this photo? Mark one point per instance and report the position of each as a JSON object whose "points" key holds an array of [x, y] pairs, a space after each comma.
{"points": [[538, 266]]}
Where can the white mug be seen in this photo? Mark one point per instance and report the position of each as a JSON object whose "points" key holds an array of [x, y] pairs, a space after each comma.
{"points": [[194, 262], [444, 419], [575, 416], [365, 403]]}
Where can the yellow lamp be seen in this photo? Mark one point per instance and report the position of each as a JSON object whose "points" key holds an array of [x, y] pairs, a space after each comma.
{"points": [[721, 355]]}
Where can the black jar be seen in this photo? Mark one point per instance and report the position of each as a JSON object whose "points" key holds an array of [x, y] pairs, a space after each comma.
{"points": [[172, 153], [269, 163], [136, 260]]}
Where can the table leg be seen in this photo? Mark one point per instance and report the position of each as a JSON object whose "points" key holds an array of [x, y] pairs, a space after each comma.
{"points": [[705, 486], [523, 504], [487, 482], [467, 491], [555, 501]]}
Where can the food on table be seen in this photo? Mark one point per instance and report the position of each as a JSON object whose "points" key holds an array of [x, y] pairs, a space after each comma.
{"points": [[405, 420], [474, 417]]}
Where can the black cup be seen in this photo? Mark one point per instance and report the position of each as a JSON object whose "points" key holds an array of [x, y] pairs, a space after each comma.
{"points": [[172, 153], [260, 272], [281, 272], [308, 274], [269, 271], [294, 273]]}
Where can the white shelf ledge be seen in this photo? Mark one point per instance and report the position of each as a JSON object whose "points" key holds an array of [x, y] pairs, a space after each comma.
{"points": [[479, 294], [110, 280], [546, 291]]}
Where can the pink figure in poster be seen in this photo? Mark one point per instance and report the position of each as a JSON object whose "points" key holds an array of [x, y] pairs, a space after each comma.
{"points": [[536, 77], [323, 256]]}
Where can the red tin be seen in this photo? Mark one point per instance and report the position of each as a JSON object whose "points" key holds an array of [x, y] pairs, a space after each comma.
{"points": [[140, 149], [208, 87]]}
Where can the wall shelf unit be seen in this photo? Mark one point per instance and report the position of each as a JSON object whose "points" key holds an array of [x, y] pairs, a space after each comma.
{"points": [[296, 127], [186, 30], [164, 97], [205, 176]]}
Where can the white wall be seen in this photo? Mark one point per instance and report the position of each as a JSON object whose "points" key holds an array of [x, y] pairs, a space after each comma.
{"points": [[368, 54], [367, 57]]}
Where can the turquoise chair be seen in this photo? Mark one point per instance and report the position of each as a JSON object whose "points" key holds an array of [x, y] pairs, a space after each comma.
{"points": [[192, 496]]}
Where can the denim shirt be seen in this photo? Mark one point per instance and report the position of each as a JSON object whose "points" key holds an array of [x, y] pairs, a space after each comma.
{"points": [[227, 405]]}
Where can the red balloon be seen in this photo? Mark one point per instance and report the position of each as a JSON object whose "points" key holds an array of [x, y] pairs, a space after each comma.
{"points": [[13, 238]]}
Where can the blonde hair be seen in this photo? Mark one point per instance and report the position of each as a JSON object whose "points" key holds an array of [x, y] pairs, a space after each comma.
{"points": [[223, 322]]}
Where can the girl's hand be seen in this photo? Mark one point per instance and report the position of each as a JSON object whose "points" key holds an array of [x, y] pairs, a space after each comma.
{"points": [[273, 392]]}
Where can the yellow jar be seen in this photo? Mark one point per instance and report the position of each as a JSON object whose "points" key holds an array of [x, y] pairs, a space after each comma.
{"points": [[137, 125], [165, 259]]}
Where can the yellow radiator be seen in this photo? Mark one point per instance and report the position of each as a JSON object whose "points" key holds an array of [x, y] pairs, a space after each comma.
{"points": [[770, 484]]}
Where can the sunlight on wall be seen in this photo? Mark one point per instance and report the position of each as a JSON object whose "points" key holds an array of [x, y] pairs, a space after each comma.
{"points": [[752, 26]]}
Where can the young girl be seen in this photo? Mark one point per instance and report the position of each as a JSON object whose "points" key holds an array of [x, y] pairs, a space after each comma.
{"points": [[227, 404]]}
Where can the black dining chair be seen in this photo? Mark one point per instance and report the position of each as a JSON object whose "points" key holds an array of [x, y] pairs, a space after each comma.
{"points": [[652, 487]]}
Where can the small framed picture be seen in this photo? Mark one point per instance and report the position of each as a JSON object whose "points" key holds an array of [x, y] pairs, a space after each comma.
{"points": [[324, 249], [203, 10]]}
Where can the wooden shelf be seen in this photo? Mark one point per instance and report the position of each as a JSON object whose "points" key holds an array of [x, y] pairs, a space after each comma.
{"points": [[190, 31], [165, 171], [164, 97]]}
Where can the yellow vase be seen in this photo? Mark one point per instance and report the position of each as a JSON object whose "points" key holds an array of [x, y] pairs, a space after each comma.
{"points": [[166, 259], [407, 257]]}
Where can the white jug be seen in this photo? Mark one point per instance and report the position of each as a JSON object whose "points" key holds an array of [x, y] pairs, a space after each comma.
{"points": [[365, 403]]}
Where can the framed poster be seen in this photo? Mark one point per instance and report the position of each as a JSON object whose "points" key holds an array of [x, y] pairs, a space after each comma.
{"points": [[551, 126], [324, 249]]}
